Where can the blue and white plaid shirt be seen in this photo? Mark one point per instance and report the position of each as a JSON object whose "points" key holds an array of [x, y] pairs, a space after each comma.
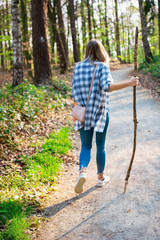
{"points": [[98, 106]]}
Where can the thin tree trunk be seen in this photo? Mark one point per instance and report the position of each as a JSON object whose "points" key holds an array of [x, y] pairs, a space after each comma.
{"points": [[42, 67], [106, 28], [123, 39], [60, 46], [73, 31], [17, 47], [84, 37], [146, 46], [1, 42], [117, 32], [159, 23], [8, 30], [93, 20], [52, 19], [62, 30], [101, 22], [25, 37], [89, 20], [128, 51]]}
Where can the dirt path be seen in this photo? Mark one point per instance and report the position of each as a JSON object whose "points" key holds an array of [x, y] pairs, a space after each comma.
{"points": [[107, 213]]}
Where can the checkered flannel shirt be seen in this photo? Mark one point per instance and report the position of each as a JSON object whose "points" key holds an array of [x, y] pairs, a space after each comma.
{"points": [[98, 106]]}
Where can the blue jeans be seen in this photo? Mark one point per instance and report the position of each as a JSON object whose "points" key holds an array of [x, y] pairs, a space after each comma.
{"points": [[86, 145]]}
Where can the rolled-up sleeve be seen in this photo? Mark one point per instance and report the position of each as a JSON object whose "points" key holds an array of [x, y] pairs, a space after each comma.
{"points": [[105, 78]]}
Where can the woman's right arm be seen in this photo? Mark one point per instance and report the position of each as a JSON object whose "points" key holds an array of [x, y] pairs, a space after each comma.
{"points": [[131, 83]]}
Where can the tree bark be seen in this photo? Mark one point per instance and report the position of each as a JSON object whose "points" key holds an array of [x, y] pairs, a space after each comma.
{"points": [[62, 30], [93, 20], [60, 46], [25, 37], [52, 20], [83, 20], [42, 67], [117, 32], [1, 42], [89, 20], [17, 47], [159, 23], [146, 46], [73, 31], [106, 28]]}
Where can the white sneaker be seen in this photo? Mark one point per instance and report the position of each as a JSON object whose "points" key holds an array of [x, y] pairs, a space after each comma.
{"points": [[100, 183], [79, 183]]}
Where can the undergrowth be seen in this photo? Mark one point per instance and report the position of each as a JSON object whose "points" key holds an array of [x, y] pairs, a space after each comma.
{"points": [[153, 67], [24, 104], [23, 191]]}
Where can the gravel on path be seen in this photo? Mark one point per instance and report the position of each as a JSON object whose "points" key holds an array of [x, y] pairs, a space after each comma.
{"points": [[107, 213]]}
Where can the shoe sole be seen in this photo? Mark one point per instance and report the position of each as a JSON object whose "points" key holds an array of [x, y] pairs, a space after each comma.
{"points": [[79, 186]]}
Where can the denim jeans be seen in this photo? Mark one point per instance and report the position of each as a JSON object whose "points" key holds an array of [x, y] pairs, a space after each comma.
{"points": [[86, 145]]}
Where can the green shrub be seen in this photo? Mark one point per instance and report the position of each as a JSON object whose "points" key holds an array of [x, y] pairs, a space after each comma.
{"points": [[153, 67]]}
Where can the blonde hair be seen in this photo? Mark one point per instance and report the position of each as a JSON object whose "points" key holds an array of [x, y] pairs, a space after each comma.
{"points": [[96, 51]]}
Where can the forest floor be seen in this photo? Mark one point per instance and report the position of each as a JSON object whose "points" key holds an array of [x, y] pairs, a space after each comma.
{"points": [[107, 213]]}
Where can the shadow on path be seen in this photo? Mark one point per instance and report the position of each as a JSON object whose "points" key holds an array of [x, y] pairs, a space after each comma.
{"points": [[93, 215], [53, 210]]}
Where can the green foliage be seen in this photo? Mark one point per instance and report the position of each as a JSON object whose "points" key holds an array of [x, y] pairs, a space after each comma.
{"points": [[25, 103], [153, 67], [14, 218], [40, 172], [41, 167]]}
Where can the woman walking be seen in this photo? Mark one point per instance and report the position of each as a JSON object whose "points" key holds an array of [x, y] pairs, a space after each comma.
{"points": [[97, 113]]}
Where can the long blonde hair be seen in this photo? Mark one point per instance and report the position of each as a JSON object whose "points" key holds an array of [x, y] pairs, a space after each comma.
{"points": [[96, 51]]}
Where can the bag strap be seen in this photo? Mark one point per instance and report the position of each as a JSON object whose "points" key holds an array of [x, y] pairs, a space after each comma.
{"points": [[91, 86]]}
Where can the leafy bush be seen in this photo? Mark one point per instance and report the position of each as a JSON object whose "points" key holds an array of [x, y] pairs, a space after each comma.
{"points": [[153, 67], [24, 103]]}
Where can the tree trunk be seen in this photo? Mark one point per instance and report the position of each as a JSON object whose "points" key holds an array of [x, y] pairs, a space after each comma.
{"points": [[101, 17], [42, 67], [8, 31], [25, 37], [106, 28], [73, 31], [147, 51], [159, 23], [83, 20], [89, 19], [17, 47], [93, 20], [60, 46], [62, 30], [128, 51], [117, 32], [52, 20], [1, 42]]}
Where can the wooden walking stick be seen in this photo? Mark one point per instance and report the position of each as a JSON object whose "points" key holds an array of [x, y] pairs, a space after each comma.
{"points": [[134, 112]]}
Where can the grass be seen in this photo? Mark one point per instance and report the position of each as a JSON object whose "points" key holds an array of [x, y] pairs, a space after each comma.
{"points": [[153, 67], [31, 186], [14, 218], [23, 191]]}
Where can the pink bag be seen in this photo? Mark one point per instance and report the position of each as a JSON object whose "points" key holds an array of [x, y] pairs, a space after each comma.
{"points": [[79, 112]]}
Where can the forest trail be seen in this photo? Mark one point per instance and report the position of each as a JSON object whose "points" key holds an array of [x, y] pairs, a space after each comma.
{"points": [[106, 213]]}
